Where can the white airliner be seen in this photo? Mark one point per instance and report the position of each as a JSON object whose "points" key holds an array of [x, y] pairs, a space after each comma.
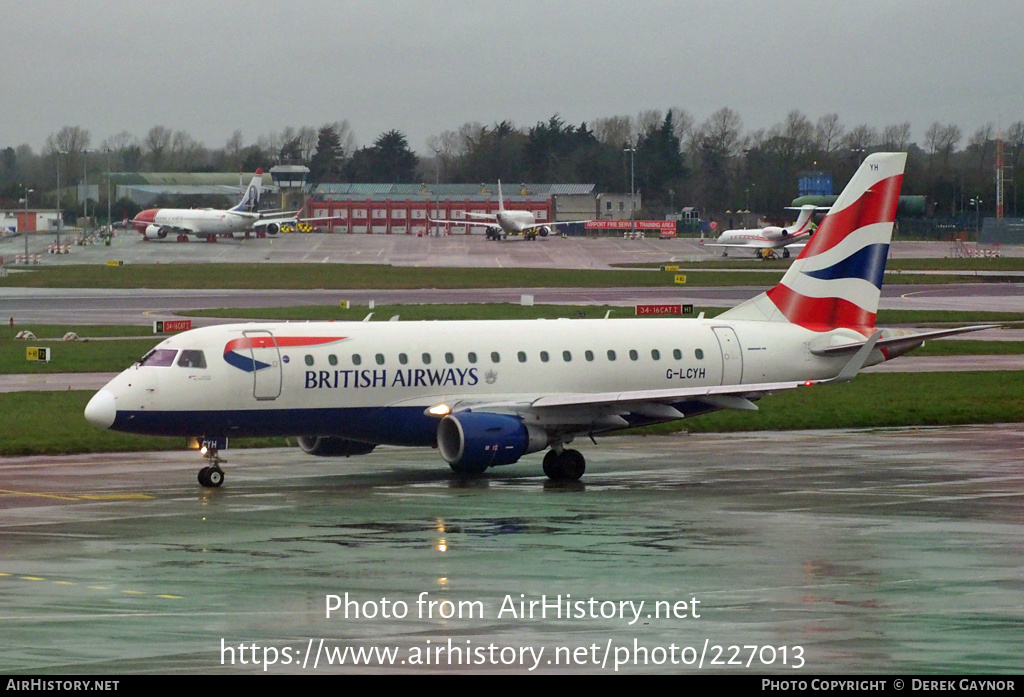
{"points": [[485, 393], [210, 223], [771, 237], [509, 223]]}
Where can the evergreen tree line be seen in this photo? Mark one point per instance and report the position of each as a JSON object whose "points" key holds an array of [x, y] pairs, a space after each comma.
{"points": [[670, 158]]}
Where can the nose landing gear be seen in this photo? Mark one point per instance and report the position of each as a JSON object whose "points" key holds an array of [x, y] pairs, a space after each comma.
{"points": [[211, 475]]}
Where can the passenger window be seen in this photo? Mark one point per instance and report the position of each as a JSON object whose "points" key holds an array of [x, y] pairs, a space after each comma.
{"points": [[332, 359], [566, 356], [449, 358], [380, 359], [426, 359], [544, 356], [699, 353], [611, 355], [403, 359], [589, 355], [309, 359], [471, 357], [495, 357], [356, 359], [192, 359], [656, 354], [677, 354], [633, 355], [522, 356]]}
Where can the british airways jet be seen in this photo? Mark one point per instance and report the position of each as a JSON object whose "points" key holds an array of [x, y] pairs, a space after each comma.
{"points": [[485, 393]]}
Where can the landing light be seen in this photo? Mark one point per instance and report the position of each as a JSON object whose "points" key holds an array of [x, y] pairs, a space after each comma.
{"points": [[440, 410]]}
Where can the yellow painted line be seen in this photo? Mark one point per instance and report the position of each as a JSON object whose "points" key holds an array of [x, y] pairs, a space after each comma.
{"points": [[117, 497], [165, 596], [34, 493]]}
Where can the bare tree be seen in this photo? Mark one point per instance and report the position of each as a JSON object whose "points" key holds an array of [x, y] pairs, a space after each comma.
{"points": [[896, 137], [614, 130], [157, 143], [942, 140], [828, 133], [862, 138]]}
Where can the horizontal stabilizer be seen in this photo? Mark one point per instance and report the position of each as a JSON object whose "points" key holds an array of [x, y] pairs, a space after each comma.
{"points": [[903, 342]]}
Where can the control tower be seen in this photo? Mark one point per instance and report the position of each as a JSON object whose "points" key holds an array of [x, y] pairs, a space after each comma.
{"points": [[291, 182]]}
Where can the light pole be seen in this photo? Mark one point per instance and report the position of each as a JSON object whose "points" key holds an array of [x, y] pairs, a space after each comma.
{"points": [[24, 222], [976, 202], [85, 185], [110, 226], [60, 216], [632, 203]]}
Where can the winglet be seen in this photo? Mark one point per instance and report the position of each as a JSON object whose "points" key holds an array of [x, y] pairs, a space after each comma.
{"points": [[851, 369]]}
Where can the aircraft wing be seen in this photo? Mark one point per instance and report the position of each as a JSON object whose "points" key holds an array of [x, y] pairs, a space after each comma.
{"points": [[560, 222], [179, 229], [583, 413], [492, 223]]}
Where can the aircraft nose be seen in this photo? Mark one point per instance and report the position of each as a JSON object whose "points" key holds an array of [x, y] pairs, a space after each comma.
{"points": [[101, 409]]}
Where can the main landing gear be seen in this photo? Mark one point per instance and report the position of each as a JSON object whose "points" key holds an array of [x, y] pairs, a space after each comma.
{"points": [[564, 465], [211, 475]]}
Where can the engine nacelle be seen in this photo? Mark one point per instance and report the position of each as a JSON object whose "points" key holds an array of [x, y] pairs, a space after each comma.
{"points": [[155, 232], [544, 231], [272, 228], [775, 233], [329, 446], [471, 442]]}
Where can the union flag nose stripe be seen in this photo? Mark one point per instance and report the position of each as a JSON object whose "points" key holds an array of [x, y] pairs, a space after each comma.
{"points": [[246, 362]]}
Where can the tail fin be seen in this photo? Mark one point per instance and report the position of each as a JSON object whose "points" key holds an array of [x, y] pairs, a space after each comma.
{"points": [[837, 279], [803, 221], [501, 199], [251, 200]]}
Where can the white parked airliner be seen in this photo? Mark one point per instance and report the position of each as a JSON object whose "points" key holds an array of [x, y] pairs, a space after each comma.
{"points": [[210, 223], [488, 392], [509, 222]]}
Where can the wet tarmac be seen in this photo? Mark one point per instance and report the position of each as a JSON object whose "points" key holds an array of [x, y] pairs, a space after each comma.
{"points": [[882, 551]]}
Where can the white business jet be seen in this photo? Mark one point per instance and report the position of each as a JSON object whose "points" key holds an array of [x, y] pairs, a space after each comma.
{"points": [[488, 392], [772, 237]]}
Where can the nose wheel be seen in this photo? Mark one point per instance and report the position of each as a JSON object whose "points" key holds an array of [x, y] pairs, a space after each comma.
{"points": [[211, 475]]}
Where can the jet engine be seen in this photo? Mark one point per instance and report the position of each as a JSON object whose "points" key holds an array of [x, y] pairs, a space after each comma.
{"points": [[775, 233], [328, 446], [471, 442], [155, 232], [272, 228], [544, 231]]}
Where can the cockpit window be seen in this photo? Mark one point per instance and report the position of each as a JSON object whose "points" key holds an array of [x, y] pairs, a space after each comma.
{"points": [[159, 357], [192, 359]]}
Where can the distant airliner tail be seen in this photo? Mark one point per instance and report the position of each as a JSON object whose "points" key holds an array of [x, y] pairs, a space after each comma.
{"points": [[251, 199], [837, 279]]}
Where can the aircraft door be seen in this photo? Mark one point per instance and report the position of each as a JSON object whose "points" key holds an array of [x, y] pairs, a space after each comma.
{"points": [[266, 363], [732, 356]]}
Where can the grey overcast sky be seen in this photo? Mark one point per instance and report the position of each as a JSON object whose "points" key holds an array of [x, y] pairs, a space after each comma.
{"points": [[426, 66]]}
